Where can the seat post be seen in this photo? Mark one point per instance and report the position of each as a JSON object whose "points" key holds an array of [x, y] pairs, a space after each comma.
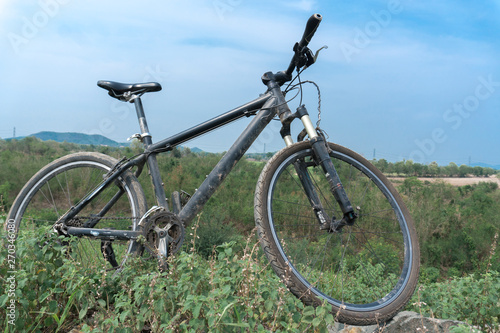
{"points": [[146, 137], [154, 170]]}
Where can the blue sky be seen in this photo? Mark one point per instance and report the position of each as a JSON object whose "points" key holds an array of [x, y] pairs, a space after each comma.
{"points": [[401, 79]]}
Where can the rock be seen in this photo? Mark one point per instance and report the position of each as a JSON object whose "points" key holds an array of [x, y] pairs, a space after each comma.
{"points": [[403, 322]]}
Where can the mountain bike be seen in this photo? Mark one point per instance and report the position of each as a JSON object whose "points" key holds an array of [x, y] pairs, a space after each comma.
{"points": [[332, 226]]}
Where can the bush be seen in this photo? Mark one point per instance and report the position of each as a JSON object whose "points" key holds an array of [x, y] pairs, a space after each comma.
{"points": [[474, 299], [229, 291], [210, 232], [429, 275]]}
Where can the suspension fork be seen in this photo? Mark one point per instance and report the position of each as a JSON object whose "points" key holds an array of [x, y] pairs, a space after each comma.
{"points": [[286, 118], [322, 155], [314, 199]]}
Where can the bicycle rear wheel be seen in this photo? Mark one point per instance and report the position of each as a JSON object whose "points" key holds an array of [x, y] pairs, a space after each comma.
{"points": [[60, 185], [368, 271]]}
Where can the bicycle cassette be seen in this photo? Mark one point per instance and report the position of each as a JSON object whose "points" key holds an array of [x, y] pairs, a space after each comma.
{"points": [[163, 232]]}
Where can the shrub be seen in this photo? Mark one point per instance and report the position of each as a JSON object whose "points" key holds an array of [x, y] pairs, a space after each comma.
{"points": [[474, 299], [229, 291]]}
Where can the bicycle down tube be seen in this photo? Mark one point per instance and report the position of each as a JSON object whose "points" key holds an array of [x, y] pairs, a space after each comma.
{"points": [[274, 104], [228, 161]]}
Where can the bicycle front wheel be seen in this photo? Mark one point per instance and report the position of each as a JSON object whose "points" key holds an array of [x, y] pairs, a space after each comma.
{"points": [[60, 185], [367, 271]]}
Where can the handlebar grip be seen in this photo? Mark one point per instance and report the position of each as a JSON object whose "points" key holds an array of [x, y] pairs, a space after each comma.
{"points": [[311, 26]]}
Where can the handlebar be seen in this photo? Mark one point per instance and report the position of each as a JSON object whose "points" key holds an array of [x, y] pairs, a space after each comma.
{"points": [[301, 47]]}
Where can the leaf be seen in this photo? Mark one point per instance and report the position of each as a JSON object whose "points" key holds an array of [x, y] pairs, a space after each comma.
{"points": [[52, 306], [124, 315], [329, 319], [122, 304], [56, 318], [316, 321], [237, 314], [320, 311], [83, 312], [44, 296], [269, 304], [3, 300], [226, 289], [196, 311], [65, 312], [308, 311]]}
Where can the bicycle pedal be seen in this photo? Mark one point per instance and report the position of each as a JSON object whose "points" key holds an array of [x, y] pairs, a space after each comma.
{"points": [[108, 253]]}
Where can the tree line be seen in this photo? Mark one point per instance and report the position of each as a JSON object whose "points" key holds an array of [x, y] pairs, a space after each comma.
{"points": [[411, 169]]}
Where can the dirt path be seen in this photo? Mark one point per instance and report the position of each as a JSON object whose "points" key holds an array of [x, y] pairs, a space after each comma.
{"points": [[456, 181]]}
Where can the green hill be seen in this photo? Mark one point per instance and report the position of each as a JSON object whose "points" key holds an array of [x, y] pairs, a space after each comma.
{"points": [[78, 138]]}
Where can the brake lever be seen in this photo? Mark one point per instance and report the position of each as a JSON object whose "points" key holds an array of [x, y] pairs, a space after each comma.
{"points": [[311, 58], [317, 53], [306, 57]]}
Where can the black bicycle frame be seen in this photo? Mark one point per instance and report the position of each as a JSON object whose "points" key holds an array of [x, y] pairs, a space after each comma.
{"points": [[263, 108]]}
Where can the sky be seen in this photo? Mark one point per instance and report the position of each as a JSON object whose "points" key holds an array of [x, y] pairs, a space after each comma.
{"points": [[400, 80]]}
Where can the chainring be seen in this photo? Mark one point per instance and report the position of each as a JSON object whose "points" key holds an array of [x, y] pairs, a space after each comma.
{"points": [[164, 235]]}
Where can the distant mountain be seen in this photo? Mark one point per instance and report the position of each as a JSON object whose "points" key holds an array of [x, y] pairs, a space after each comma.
{"points": [[196, 150], [86, 139], [78, 138]]}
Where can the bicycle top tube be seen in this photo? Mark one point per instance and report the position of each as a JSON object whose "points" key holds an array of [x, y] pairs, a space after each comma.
{"points": [[245, 110]]}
